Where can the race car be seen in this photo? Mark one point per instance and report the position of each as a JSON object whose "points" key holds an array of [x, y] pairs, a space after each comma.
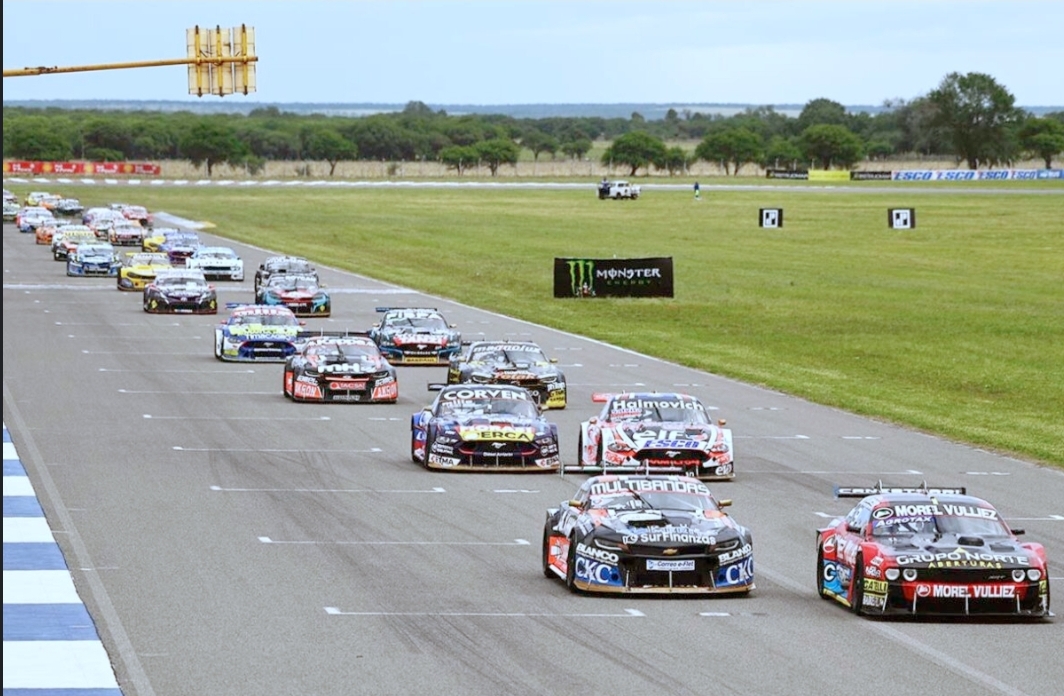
{"points": [[137, 213], [125, 233], [139, 268], [303, 294], [346, 368], [93, 258], [34, 198], [929, 551], [180, 291], [258, 333], [521, 363], [64, 243], [484, 427], [101, 220], [277, 265], [160, 236], [647, 534], [415, 336], [11, 209], [655, 432], [217, 263], [179, 245], [28, 219], [68, 206]]}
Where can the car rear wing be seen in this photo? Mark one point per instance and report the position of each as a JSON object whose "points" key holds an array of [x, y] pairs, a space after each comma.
{"points": [[621, 470], [388, 309], [924, 489], [317, 333]]}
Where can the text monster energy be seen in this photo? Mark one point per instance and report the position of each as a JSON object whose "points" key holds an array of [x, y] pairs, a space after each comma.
{"points": [[582, 276]]}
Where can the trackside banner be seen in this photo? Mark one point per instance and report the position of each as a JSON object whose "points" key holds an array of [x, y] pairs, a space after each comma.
{"points": [[976, 175], [34, 167], [613, 277]]}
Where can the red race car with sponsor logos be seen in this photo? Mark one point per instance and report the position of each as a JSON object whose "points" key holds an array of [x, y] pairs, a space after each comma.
{"points": [[347, 368], [655, 432], [647, 534], [929, 551]]}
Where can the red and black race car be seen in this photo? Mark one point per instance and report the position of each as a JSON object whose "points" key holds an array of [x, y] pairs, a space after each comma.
{"points": [[340, 368], [926, 551]]}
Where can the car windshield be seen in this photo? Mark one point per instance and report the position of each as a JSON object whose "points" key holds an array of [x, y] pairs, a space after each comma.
{"points": [[939, 525], [657, 410], [288, 283], [515, 408], [425, 322], [499, 355], [181, 282], [216, 254], [653, 500], [343, 353], [265, 319]]}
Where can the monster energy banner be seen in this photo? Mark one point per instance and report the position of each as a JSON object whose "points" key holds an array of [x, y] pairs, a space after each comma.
{"points": [[613, 277]]}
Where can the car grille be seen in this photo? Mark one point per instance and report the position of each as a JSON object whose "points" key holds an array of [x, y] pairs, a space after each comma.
{"points": [[498, 453], [636, 573], [266, 349], [672, 457]]}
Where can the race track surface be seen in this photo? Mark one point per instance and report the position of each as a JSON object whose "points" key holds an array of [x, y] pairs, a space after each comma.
{"points": [[227, 541]]}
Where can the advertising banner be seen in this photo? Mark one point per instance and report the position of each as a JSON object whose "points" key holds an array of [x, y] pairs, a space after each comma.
{"points": [[786, 174], [871, 176], [62, 167], [613, 277], [21, 167], [828, 175]]}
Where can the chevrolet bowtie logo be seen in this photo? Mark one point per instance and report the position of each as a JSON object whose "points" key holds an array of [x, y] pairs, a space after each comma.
{"points": [[671, 552]]}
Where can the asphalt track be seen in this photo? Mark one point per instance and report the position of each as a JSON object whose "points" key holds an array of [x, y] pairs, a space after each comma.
{"points": [[228, 541]]}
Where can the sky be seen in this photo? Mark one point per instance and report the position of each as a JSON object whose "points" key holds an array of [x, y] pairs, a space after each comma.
{"points": [[526, 52]]}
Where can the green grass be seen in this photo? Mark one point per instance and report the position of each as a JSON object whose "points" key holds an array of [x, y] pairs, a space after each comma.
{"points": [[954, 328]]}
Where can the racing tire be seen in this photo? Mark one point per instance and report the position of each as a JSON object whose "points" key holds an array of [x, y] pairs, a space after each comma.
{"points": [[570, 566], [218, 347], [428, 447], [820, 572], [547, 572], [857, 603], [600, 460]]}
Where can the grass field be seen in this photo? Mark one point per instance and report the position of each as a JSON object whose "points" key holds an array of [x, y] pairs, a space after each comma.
{"points": [[954, 328]]}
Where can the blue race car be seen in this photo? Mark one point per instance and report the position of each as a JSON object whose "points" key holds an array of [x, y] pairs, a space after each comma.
{"points": [[415, 336]]}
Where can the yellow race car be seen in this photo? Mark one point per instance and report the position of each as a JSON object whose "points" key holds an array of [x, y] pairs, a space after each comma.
{"points": [[139, 269]]}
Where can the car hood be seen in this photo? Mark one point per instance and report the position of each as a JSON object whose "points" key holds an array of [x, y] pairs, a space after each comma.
{"points": [[262, 330], [668, 526], [489, 428], [952, 551], [678, 435]]}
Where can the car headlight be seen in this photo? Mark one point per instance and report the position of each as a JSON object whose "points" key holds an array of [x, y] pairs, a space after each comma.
{"points": [[481, 378], [909, 574], [719, 448], [609, 545], [1033, 574], [548, 379], [892, 574]]}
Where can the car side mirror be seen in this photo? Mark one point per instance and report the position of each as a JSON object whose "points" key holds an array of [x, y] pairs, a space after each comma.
{"points": [[1018, 532], [722, 422], [575, 504], [302, 322], [724, 503]]}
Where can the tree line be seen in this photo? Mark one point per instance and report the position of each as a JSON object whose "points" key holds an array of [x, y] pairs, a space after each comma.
{"points": [[968, 116]]}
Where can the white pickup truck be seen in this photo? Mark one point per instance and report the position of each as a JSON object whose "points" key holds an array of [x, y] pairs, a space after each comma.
{"points": [[617, 190]]}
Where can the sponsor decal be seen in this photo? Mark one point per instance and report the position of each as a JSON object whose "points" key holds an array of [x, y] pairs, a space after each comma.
{"points": [[962, 558], [871, 176], [876, 601], [876, 586], [936, 591], [648, 485], [597, 573], [597, 553], [670, 537], [671, 566], [914, 175], [667, 444], [730, 556], [638, 405], [474, 393], [741, 573], [303, 390], [956, 176], [872, 571], [786, 174], [928, 511], [496, 432], [829, 577]]}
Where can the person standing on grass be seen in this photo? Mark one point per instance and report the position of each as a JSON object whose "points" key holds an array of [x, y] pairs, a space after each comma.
{"points": [[698, 192]]}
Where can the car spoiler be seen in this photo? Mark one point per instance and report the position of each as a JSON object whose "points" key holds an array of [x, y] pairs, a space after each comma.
{"points": [[320, 333], [862, 491], [623, 470], [388, 309], [436, 386]]}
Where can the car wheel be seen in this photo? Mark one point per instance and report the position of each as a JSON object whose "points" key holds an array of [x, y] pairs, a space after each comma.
{"points": [[820, 571], [428, 446], [218, 347], [857, 601], [546, 553], [599, 458], [570, 565]]}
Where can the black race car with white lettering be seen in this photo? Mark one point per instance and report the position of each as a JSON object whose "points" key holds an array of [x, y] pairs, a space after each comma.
{"points": [[520, 363], [648, 534], [929, 551], [479, 427]]}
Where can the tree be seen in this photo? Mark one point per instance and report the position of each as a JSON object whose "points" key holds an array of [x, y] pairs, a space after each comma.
{"points": [[211, 141], [822, 112], [496, 152], [675, 161], [577, 148], [1043, 137], [539, 142], [326, 144], [35, 138], [737, 146], [634, 150], [831, 146], [979, 114], [459, 157], [782, 152]]}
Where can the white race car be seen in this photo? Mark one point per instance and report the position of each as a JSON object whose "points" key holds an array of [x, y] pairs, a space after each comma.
{"points": [[217, 263]]}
